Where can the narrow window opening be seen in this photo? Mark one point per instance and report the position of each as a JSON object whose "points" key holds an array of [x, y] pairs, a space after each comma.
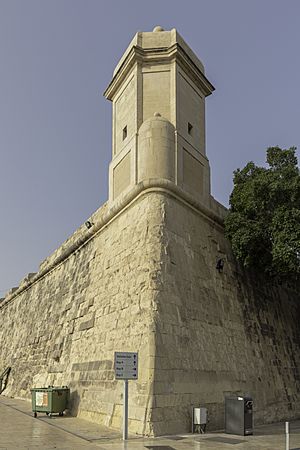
{"points": [[190, 128], [124, 133]]}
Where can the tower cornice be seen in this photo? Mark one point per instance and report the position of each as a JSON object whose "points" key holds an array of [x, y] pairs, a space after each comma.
{"points": [[156, 56]]}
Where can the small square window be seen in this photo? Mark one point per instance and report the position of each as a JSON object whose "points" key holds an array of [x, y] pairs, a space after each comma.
{"points": [[124, 133], [190, 128]]}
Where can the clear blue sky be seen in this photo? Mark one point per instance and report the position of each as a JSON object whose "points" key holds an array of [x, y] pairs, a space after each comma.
{"points": [[57, 57]]}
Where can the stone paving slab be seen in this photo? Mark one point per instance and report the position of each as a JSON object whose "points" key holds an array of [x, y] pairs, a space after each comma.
{"points": [[19, 430]]}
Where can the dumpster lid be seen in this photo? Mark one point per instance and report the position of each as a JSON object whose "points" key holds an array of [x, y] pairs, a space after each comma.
{"points": [[50, 388]]}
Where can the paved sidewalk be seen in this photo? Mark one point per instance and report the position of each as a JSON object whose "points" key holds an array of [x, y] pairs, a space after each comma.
{"points": [[19, 430]]}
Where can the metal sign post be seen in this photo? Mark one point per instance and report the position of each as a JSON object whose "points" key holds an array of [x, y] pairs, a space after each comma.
{"points": [[287, 436], [125, 411], [126, 368]]}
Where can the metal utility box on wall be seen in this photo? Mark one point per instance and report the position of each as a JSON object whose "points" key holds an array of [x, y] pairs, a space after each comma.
{"points": [[239, 415], [50, 400], [199, 420]]}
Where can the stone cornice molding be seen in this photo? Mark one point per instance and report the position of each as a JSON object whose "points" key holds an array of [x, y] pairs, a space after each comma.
{"points": [[160, 55], [105, 215]]}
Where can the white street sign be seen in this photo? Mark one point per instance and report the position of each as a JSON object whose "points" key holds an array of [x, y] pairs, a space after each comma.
{"points": [[126, 366]]}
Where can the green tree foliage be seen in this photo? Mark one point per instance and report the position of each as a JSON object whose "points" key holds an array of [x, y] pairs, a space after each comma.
{"points": [[263, 223]]}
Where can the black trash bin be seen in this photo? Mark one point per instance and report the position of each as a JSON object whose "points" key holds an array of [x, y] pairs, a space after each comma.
{"points": [[239, 415]]}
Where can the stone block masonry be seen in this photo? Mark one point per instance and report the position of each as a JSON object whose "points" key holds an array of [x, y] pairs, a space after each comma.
{"points": [[64, 327], [146, 281], [143, 276], [219, 334]]}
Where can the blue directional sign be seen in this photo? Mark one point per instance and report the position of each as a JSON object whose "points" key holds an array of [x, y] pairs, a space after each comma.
{"points": [[126, 366]]}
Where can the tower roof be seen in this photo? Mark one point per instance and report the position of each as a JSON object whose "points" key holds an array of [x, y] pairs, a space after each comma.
{"points": [[159, 45]]}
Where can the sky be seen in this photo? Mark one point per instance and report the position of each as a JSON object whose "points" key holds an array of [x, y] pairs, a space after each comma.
{"points": [[57, 58]]}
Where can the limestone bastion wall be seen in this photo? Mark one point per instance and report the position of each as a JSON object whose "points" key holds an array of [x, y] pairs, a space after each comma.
{"points": [[62, 326], [219, 334], [143, 278]]}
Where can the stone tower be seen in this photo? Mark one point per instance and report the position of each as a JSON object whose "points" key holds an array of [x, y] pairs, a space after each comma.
{"points": [[142, 276], [158, 93]]}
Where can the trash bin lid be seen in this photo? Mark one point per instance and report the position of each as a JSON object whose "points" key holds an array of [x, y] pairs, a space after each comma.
{"points": [[50, 388]]}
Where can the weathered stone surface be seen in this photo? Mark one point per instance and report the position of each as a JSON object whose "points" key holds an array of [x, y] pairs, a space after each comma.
{"points": [[143, 277], [64, 329], [219, 333], [167, 79], [200, 334]]}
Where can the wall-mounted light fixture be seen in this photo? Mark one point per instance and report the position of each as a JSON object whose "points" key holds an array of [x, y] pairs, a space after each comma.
{"points": [[220, 265], [88, 224]]}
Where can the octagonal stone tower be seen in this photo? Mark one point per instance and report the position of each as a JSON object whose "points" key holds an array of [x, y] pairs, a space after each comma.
{"points": [[158, 93], [140, 275]]}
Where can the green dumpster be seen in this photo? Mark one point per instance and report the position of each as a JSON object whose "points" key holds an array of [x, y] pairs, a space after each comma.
{"points": [[50, 400]]}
